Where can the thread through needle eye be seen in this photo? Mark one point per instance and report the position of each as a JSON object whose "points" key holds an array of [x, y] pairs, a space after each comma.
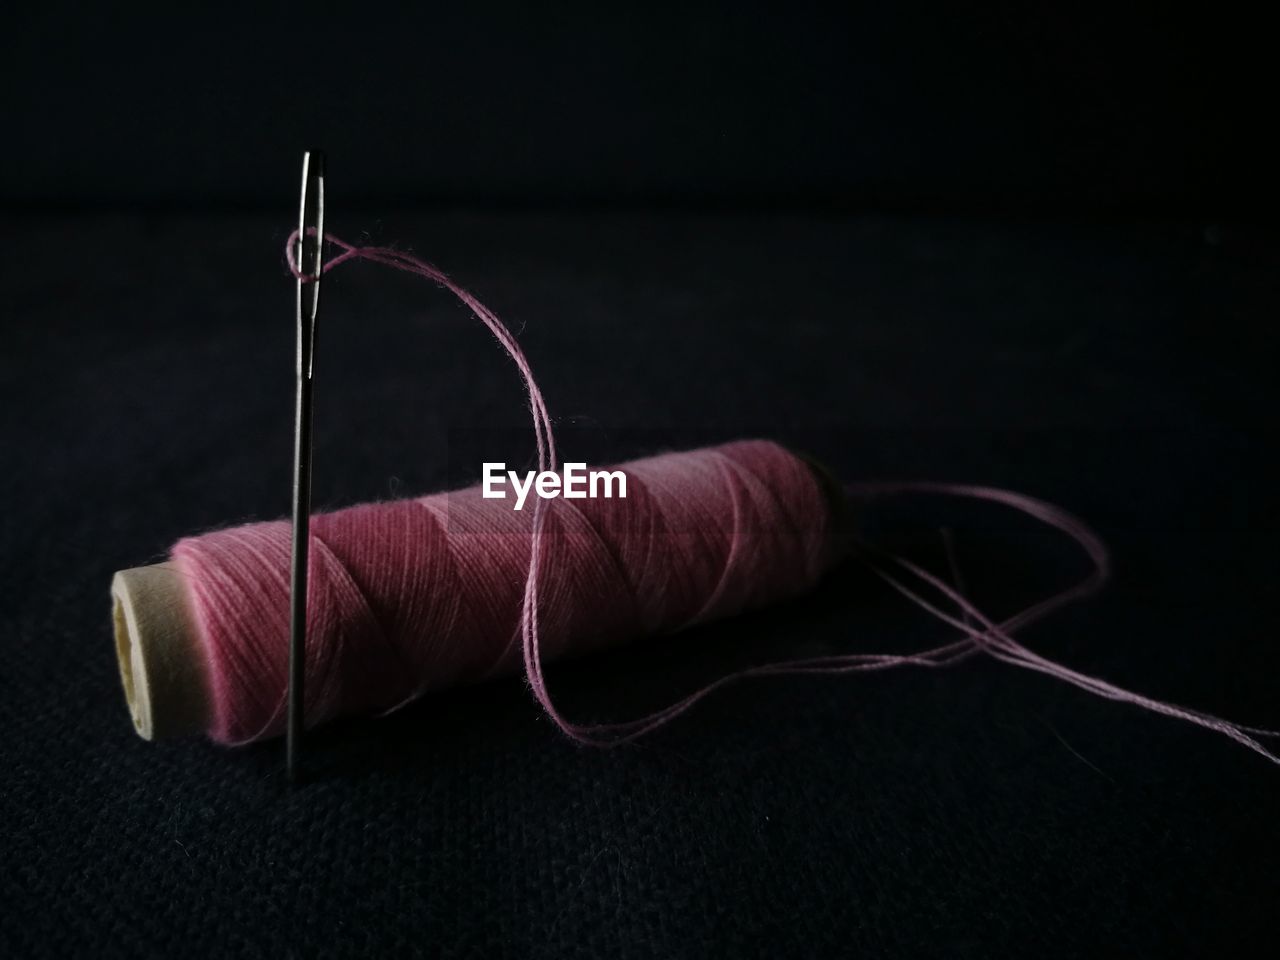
{"points": [[309, 251]]}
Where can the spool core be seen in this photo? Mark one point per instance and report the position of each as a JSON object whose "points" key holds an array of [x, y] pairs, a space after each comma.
{"points": [[163, 665]]}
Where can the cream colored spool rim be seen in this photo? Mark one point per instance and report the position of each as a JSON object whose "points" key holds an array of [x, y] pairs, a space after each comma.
{"points": [[162, 662]]}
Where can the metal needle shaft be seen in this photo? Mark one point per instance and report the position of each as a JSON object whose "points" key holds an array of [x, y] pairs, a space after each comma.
{"points": [[309, 254]]}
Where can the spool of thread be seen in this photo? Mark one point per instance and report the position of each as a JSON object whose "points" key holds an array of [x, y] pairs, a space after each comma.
{"points": [[409, 596], [415, 595]]}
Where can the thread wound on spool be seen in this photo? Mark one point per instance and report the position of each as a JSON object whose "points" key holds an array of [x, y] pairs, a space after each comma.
{"points": [[414, 595]]}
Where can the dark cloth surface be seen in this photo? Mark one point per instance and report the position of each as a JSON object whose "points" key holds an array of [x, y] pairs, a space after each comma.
{"points": [[1122, 370], [934, 107]]}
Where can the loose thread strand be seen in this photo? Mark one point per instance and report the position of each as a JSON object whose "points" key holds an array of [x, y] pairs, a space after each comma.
{"points": [[978, 632]]}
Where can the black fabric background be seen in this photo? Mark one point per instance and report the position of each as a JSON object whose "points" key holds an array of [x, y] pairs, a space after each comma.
{"points": [[893, 290], [997, 106]]}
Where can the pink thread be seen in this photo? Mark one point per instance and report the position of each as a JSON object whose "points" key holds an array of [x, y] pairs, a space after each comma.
{"points": [[712, 532], [414, 595]]}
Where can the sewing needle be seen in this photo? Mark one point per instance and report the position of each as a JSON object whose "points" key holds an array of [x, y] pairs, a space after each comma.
{"points": [[309, 248]]}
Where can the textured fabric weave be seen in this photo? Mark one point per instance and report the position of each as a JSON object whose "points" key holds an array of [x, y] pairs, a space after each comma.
{"points": [[145, 394]]}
